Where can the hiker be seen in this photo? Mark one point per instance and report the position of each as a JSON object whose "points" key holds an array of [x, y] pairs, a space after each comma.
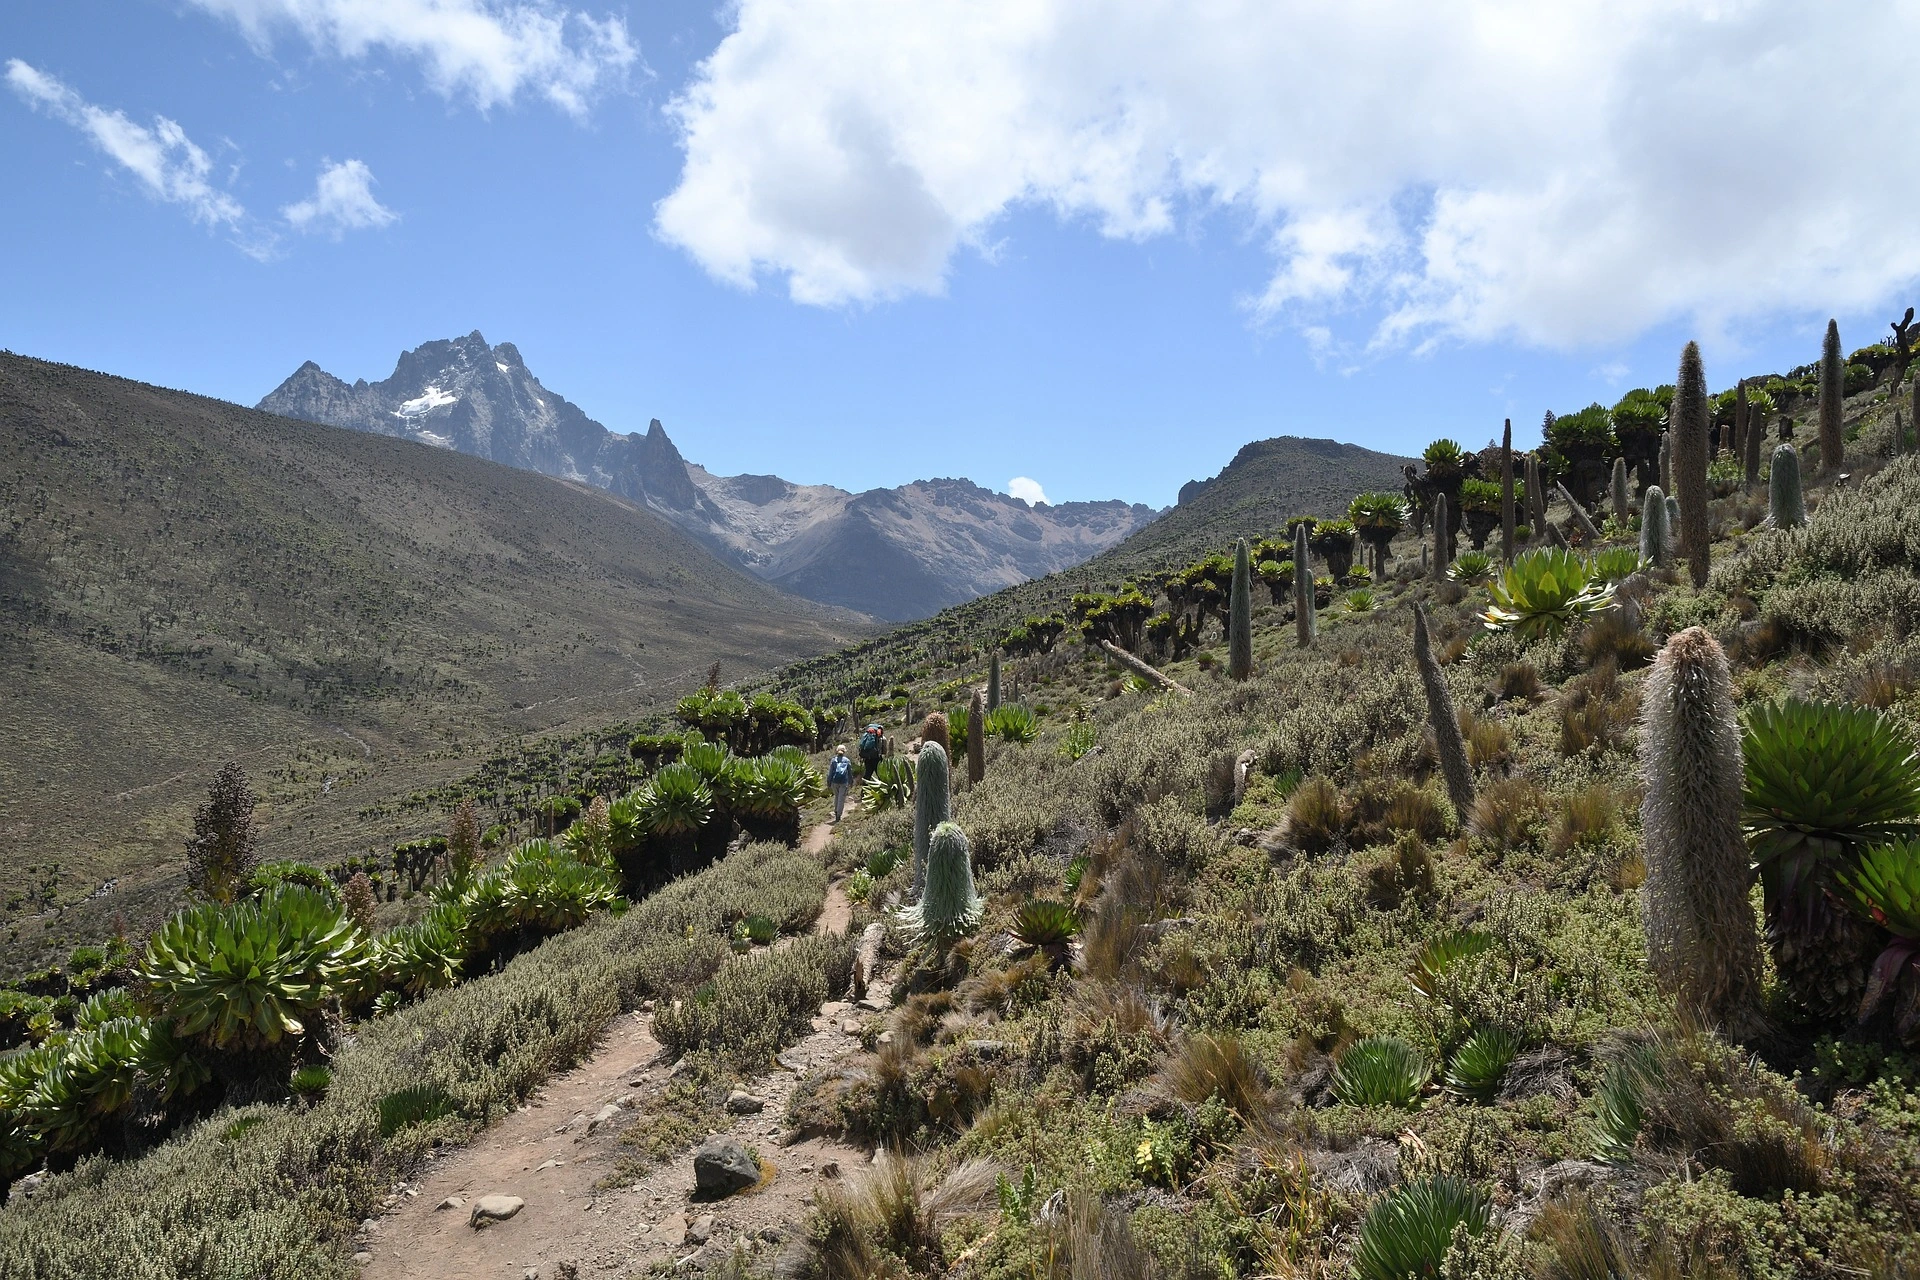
{"points": [[839, 778], [871, 746]]}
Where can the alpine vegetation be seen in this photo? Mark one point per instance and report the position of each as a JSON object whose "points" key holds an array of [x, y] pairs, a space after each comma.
{"points": [[1452, 748], [1441, 542], [1622, 502], [949, 906], [1701, 941], [932, 796], [1786, 506], [1689, 438], [993, 682], [1507, 527], [1240, 616], [1833, 441]]}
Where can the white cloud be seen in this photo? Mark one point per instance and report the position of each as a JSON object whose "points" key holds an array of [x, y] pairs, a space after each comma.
{"points": [[161, 157], [1561, 175], [342, 200], [486, 51], [1028, 490]]}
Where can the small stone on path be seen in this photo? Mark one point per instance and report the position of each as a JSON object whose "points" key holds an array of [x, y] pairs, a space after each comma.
{"points": [[555, 1164], [742, 1103], [700, 1230], [451, 1202], [611, 1110], [491, 1209]]}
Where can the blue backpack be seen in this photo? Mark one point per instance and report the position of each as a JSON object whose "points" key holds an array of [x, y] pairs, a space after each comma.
{"points": [[841, 770]]}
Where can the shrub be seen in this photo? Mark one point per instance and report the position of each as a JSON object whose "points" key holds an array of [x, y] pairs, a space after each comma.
{"points": [[1078, 739], [1380, 1071], [1544, 592], [1885, 884], [679, 798], [756, 1003], [1408, 1231]]}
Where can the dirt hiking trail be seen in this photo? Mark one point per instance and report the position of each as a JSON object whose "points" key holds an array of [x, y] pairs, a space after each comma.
{"points": [[556, 1151]]}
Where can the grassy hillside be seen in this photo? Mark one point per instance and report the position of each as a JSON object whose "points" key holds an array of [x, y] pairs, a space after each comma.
{"points": [[352, 616], [1318, 1019], [1267, 481]]}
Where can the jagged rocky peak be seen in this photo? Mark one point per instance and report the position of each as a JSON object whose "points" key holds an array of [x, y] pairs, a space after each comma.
{"points": [[897, 553]]}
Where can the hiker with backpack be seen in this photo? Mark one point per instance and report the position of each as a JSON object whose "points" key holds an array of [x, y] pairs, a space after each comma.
{"points": [[872, 746], [839, 778]]}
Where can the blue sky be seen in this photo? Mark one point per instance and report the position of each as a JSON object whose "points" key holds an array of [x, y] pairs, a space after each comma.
{"points": [[1101, 246]]}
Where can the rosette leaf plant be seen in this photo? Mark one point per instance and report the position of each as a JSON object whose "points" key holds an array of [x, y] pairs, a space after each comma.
{"points": [[1409, 1231], [681, 800], [1377, 518], [949, 906], [1543, 593], [425, 955], [250, 974], [1822, 784], [1885, 884]]}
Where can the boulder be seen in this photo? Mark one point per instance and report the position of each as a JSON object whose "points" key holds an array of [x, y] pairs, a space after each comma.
{"points": [[742, 1103], [721, 1167]]}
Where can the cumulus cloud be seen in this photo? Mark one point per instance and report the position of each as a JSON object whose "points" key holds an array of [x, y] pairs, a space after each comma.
{"points": [[162, 159], [1027, 489], [1561, 175], [486, 51], [342, 200]]}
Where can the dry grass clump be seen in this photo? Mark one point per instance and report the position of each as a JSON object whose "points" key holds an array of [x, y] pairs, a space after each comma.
{"points": [[1596, 711], [1217, 1066], [1616, 636], [1315, 815], [1506, 810], [1517, 681], [1489, 744], [1408, 870], [1588, 816], [888, 1219]]}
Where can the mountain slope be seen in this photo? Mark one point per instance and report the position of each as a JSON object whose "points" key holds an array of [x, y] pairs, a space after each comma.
{"points": [[897, 553], [1252, 496], [183, 580]]}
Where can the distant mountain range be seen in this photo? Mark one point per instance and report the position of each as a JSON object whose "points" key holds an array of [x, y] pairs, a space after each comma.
{"points": [[897, 554]]}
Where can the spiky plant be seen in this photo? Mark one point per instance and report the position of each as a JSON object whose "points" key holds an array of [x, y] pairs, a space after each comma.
{"points": [[1701, 943], [311, 1081], [1471, 567], [1240, 616], [1622, 501], [1441, 954], [1822, 784], [1442, 717], [891, 786], [1047, 927], [1620, 1103], [1442, 540], [1614, 564], [1885, 885], [1409, 1230], [931, 804], [993, 681], [948, 907], [416, 1104], [1303, 622], [463, 840], [1380, 1071], [1544, 592], [1480, 1063], [1334, 540], [250, 974], [1666, 460], [1833, 440], [1786, 507], [1691, 413], [1013, 722], [104, 1006]]}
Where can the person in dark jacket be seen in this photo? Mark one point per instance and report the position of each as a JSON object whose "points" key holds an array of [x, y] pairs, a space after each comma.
{"points": [[872, 746]]}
